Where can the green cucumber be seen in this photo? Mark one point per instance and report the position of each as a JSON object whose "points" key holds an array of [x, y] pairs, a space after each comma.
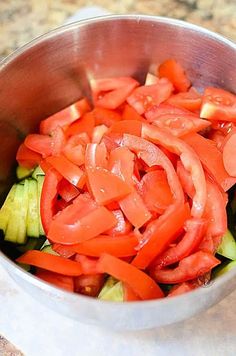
{"points": [[16, 227], [32, 244], [40, 179], [32, 216], [227, 247], [110, 282], [48, 249], [22, 172], [7, 208], [114, 294], [226, 268], [37, 172]]}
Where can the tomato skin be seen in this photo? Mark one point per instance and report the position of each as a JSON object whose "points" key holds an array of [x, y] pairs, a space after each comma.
{"points": [[194, 231], [140, 282], [172, 70], [67, 190], [190, 100], [189, 268], [41, 144], [105, 117], [182, 288], [132, 127], [123, 226], [84, 124], [96, 155], [89, 284], [129, 295], [89, 265], [59, 280], [27, 158], [229, 152], [145, 97], [218, 104], [129, 113]]}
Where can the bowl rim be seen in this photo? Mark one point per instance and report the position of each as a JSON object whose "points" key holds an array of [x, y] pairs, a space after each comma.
{"points": [[49, 288]]}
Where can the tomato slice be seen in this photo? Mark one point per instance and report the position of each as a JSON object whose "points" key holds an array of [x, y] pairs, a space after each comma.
{"points": [[110, 93], [123, 227], [229, 154], [140, 282], [27, 158], [98, 133], [105, 117], [190, 100], [155, 191], [48, 197], [58, 280], [67, 190], [106, 186], [96, 155], [80, 221], [41, 144], [211, 158], [63, 250], [181, 289], [172, 70], [185, 179], [64, 117], [121, 163], [51, 263], [68, 170], [58, 140], [132, 127], [160, 233], [163, 109], [218, 104], [85, 124], [189, 268], [119, 246], [89, 285], [129, 295], [89, 265], [195, 229], [189, 159], [144, 97], [129, 113]]}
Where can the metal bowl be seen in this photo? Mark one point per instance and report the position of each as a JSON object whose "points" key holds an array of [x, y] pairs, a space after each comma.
{"points": [[50, 73]]}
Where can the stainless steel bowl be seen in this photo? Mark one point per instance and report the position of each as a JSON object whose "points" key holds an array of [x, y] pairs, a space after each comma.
{"points": [[50, 73]]}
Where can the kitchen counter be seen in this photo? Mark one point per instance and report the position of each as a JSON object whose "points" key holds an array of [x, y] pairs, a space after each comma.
{"points": [[22, 20]]}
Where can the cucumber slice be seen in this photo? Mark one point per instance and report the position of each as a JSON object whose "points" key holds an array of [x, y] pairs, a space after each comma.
{"points": [[115, 294], [48, 249], [22, 172], [226, 268], [7, 208], [32, 216], [16, 227], [40, 180], [110, 282], [32, 244], [37, 172], [227, 247]]}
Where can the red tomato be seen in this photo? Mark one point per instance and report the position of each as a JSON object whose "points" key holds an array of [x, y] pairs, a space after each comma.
{"points": [[229, 154], [129, 113], [64, 117], [163, 109], [90, 284], [145, 97], [218, 104], [181, 289], [96, 155], [67, 190], [89, 265], [189, 268], [132, 127], [85, 124], [58, 280], [105, 117], [190, 100], [122, 227], [26, 157], [172, 70], [41, 144]]}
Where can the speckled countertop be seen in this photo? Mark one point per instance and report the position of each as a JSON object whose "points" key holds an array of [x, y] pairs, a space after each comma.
{"points": [[22, 20]]}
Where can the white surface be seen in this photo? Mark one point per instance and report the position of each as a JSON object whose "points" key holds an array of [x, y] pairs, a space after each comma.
{"points": [[37, 331]]}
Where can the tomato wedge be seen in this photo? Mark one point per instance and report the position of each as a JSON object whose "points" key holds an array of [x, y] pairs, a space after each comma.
{"points": [[41, 144], [105, 117], [229, 152], [189, 268], [172, 70], [181, 289], [89, 265], [85, 124], [96, 155], [133, 127], [51, 263], [129, 113], [26, 157], [89, 284], [123, 226], [218, 104], [129, 295], [140, 282], [64, 117], [119, 246], [58, 280], [103, 192], [67, 190], [190, 100]]}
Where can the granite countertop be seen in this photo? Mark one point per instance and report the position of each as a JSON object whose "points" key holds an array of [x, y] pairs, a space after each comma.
{"points": [[22, 20]]}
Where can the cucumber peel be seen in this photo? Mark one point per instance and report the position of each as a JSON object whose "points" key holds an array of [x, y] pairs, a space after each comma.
{"points": [[227, 247]]}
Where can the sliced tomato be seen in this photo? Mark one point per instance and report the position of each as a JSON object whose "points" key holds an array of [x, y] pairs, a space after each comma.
{"points": [[64, 117], [89, 265], [229, 154], [146, 96], [123, 226], [132, 127], [121, 163], [112, 140], [212, 159], [110, 93], [48, 197], [68, 170], [129, 295], [215, 210], [189, 268], [195, 229], [96, 155], [155, 191], [105, 117], [98, 133], [189, 159], [67, 190], [74, 149], [190, 100], [172, 70], [63, 250], [85, 124], [160, 233], [89, 285], [129, 113], [106, 186], [27, 158], [181, 289], [140, 282], [58, 140], [58, 280], [41, 144], [119, 246], [51, 263], [163, 109], [218, 104], [80, 221], [185, 179]]}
